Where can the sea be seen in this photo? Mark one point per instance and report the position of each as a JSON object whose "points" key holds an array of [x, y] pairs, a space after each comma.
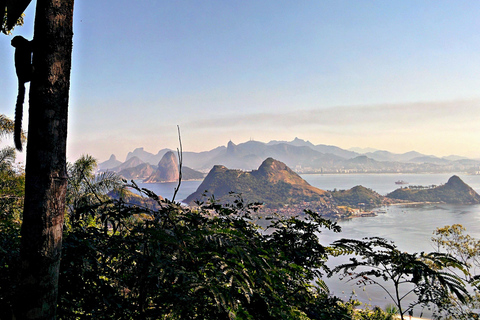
{"points": [[410, 227]]}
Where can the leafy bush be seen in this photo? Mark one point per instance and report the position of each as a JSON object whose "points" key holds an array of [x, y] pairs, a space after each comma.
{"points": [[12, 190], [179, 263]]}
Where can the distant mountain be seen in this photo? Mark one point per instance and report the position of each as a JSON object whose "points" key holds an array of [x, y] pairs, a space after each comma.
{"points": [[295, 142], [198, 160], [430, 159], [304, 157], [191, 159], [130, 163], [249, 155], [109, 164], [323, 148], [454, 158], [382, 155], [273, 184], [145, 156], [362, 150], [141, 171], [168, 171], [455, 191]]}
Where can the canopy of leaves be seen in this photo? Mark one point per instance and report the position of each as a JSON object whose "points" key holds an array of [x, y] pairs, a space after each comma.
{"points": [[425, 275], [12, 191], [213, 263]]}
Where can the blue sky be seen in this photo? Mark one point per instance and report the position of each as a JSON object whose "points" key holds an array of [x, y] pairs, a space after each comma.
{"points": [[394, 75]]}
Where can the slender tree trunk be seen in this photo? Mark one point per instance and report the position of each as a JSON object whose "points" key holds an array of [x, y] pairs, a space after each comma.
{"points": [[45, 181]]}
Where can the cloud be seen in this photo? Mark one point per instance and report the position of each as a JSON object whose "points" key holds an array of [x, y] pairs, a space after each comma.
{"points": [[381, 117]]}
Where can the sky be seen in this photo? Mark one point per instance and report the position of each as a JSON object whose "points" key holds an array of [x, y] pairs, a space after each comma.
{"points": [[391, 75]]}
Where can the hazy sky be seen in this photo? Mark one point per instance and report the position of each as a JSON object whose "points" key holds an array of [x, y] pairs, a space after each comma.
{"points": [[394, 75]]}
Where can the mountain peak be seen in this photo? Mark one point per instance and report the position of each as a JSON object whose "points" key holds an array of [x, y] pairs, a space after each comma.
{"points": [[297, 140], [167, 158], [457, 183], [231, 148], [167, 170], [272, 165], [274, 184], [109, 164]]}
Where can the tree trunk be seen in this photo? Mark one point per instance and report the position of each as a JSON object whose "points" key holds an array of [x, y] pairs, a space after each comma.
{"points": [[46, 176]]}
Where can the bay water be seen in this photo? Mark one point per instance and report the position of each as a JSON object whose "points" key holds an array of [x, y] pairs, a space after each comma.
{"points": [[410, 227]]}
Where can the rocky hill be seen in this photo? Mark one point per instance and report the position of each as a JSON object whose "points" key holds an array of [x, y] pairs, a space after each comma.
{"points": [[139, 172], [273, 184], [109, 164], [130, 163], [168, 171], [455, 191]]}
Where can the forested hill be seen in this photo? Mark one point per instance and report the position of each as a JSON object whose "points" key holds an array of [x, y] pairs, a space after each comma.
{"points": [[357, 196], [273, 184], [455, 191]]}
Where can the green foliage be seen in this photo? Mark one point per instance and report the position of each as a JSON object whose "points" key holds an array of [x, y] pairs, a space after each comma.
{"points": [[424, 275], [12, 190], [452, 240], [87, 191], [3, 25], [391, 309], [212, 263]]}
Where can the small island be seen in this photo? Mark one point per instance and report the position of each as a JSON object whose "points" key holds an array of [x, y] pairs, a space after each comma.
{"points": [[455, 191]]}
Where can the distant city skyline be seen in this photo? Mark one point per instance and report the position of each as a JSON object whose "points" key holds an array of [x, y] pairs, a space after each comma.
{"points": [[394, 75]]}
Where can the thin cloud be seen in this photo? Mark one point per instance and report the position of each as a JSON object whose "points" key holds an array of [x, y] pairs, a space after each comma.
{"points": [[379, 116]]}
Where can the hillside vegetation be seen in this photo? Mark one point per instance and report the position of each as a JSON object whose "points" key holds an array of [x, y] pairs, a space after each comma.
{"points": [[273, 184], [358, 196]]}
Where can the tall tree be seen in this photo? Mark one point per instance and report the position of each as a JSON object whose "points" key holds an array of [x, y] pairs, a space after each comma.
{"points": [[46, 176]]}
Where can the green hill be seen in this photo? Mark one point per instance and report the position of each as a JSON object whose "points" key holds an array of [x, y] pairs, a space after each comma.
{"points": [[273, 184], [357, 196], [455, 191]]}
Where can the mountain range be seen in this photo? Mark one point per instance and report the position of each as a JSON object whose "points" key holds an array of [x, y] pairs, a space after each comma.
{"points": [[167, 169], [303, 157]]}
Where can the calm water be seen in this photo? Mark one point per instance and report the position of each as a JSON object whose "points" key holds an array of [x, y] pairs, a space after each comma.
{"points": [[410, 227]]}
